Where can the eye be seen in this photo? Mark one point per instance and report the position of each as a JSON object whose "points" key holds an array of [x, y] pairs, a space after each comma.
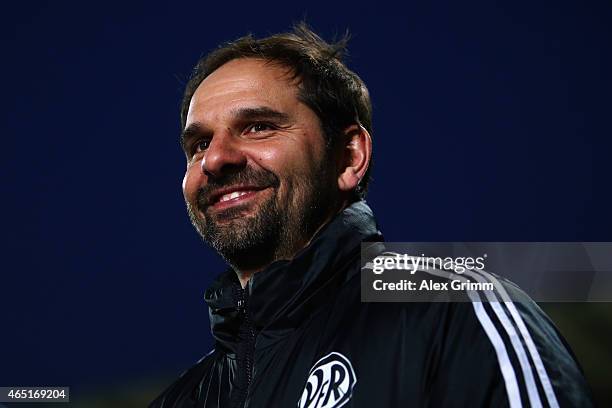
{"points": [[259, 127], [202, 145]]}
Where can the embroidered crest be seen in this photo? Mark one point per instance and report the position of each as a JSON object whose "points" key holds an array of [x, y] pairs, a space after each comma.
{"points": [[330, 383]]}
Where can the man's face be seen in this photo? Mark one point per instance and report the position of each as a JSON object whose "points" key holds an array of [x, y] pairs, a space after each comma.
{"points": [[259, 178]]}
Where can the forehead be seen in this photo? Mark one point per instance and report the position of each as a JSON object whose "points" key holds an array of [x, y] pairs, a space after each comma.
{"points": [[243, 82]]}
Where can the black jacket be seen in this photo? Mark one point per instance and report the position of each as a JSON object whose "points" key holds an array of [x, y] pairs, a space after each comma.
{"points": [[299, 336]]}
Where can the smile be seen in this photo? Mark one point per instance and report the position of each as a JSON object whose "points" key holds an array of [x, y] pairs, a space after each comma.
{"points": [[235, 194], [234, 197]]}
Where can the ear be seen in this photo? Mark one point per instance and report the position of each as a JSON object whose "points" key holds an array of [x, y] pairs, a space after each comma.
{"points": [[355, 157]]}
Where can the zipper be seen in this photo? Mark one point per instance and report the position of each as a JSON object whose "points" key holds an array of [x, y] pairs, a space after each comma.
{"points": [[247, 334]]}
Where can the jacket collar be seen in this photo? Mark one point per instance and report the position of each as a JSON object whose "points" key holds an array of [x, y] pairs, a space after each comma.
{"points": [[281, 295]]}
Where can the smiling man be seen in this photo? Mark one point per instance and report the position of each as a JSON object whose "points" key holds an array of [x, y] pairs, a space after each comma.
{"points": [[276, 133], [261, 176]]}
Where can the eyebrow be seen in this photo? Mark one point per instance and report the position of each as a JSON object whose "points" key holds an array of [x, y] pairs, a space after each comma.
{"points": [[259, 113], [240, 115]]}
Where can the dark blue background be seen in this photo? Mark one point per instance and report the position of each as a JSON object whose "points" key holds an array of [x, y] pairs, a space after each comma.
{"points": [[491, 123]]}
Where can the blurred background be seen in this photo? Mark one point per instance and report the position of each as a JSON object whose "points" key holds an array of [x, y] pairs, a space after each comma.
{"points": [[492, 122]]}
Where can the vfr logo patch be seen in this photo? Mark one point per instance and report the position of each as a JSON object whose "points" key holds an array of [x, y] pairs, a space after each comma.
{"points": [[330, 383]]}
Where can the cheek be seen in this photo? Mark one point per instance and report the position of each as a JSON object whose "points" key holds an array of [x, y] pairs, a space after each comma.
{"points": [[287, 160], [267, 157], [191, 183], [184, 182]]}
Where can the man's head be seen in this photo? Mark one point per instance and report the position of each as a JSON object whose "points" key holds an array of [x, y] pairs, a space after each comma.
{"points": [[276, 137]]}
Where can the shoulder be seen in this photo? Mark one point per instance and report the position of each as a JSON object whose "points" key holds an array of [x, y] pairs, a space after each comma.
{"points": [[184, 391], [501, 345], [492, 347]]}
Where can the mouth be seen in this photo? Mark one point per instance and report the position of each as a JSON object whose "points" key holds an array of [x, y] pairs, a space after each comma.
{"points": [[233, 196]]}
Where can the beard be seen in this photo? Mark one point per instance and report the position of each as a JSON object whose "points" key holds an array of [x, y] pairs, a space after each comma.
{"points": [[273, 231]]}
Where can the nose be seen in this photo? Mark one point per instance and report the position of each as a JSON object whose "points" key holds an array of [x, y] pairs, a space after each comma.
{"points": [[224, 154]]}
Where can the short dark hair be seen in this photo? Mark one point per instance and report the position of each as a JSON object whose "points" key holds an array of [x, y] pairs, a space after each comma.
{"points": [[335, 93]]}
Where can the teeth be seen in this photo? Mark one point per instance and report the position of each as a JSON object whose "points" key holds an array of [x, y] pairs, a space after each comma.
{"points": [[231, 196]]}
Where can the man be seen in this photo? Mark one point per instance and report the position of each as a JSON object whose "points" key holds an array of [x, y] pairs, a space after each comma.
{"points": [[276, 133]]}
